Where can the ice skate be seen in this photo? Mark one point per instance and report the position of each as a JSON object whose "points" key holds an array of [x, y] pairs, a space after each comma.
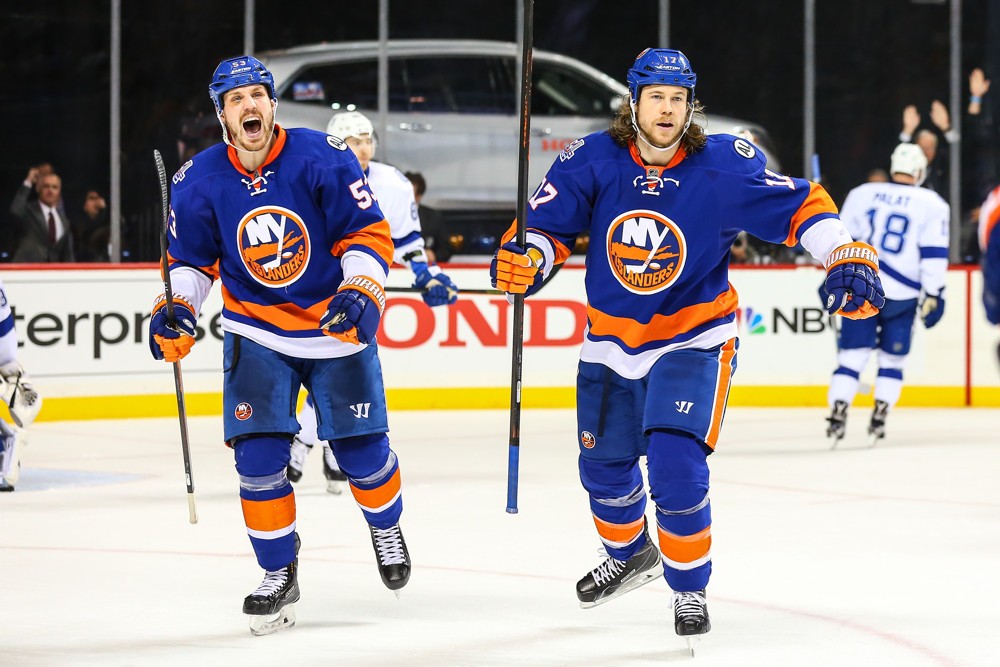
{"points": [[837, 422], [20, 396], [393, 559], [691, 617], [336, 480], [876, 427], [271, 607], [614, 577], [297, 459], [11, 441]]}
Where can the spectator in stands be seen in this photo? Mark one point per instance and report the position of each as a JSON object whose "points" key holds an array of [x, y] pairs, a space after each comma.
{"points": [[41, 224], [437, 243], [929, 140], [92, 231]]}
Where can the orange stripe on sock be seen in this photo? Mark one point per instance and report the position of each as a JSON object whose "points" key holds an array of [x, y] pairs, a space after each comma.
{"points": [[685, 548], [267, 515], [623, 533], [380, 495]]}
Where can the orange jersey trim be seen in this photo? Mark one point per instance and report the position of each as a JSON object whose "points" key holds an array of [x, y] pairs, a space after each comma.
{"points": [[726, 356], [376, 236], [817, 201], [622, 533], [212, 271], [661, 327], [279, 142], [267, 515], [373, 499], [287, 316], [685, 548], [633, 150]]}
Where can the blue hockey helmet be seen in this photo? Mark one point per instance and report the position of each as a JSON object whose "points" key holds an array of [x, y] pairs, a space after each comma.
{"points": [[237, 72], [664, 67]]}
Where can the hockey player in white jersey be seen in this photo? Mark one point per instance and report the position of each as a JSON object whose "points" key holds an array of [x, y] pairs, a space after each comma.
{"points": [[908, 226], [22, 401], [394, 193]]}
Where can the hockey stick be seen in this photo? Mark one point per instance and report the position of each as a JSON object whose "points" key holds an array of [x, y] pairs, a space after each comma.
{"points": [[168, 292], [513, 453]]}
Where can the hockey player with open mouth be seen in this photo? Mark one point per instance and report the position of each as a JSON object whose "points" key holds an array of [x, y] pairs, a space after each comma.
{"points": [[663, 203], [286, 222]]}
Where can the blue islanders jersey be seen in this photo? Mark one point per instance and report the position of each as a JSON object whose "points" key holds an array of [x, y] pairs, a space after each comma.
{"points": [[276, 238], [658, 262], [908, 226], [989, 243]]}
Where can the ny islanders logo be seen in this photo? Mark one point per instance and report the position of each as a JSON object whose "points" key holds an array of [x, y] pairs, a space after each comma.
{"points": [[274, 245], [646, 251]]}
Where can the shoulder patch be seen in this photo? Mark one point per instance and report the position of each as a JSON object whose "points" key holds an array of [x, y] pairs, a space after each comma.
{"points": [[744, 148], [570, 150], [179, 176], [336, 142]]}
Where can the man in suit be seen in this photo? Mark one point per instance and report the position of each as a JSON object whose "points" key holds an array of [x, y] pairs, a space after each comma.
{"points": [[44, 229]]}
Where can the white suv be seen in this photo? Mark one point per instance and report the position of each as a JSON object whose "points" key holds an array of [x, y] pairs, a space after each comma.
{"points": [[453, 109]]}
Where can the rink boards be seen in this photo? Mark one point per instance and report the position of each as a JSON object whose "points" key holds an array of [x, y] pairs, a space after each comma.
{"points": [[82, 335]]}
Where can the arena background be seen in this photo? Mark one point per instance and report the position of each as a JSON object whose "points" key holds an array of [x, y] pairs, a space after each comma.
{"points": [[872, 59]]}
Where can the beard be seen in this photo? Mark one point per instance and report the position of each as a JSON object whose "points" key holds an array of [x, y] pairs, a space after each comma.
{"points": [[239, 137], [659, 137]]}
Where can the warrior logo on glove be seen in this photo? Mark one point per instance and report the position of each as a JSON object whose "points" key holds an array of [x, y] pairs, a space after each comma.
{"points": [[853, 287]]}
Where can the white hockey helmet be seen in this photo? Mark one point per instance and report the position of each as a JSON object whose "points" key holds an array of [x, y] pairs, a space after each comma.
{"points": [[909, 159], [350, 124]]}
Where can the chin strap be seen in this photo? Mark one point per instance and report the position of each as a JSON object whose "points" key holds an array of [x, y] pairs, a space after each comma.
{"points": [[267, 144]]}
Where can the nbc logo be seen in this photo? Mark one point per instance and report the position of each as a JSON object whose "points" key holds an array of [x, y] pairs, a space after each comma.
{"points": [[750, 321]]}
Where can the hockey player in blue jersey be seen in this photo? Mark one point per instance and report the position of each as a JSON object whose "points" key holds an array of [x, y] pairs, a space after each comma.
{"points": [[908, 225], [989, 243], [396, 199], [284, 219], [19, 395], [663, 203]]}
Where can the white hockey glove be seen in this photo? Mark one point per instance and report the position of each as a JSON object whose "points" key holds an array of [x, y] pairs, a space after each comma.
{"points": [[20, 396]]}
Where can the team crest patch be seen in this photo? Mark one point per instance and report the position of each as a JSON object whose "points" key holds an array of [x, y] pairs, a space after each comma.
{"points": [[243, 411], [588, 440], [274, 245], [646, 251]]}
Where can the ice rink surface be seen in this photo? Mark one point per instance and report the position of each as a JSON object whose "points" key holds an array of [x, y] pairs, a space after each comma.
{"points": [[884, 556]]}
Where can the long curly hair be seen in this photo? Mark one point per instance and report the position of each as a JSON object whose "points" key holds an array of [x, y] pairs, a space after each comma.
{"points": [[622, 130]]}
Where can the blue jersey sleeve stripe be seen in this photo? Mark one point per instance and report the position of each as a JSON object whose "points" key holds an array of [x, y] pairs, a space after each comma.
{"points": [[933, 253], [896, 275], [409, 238], [7, 326]]}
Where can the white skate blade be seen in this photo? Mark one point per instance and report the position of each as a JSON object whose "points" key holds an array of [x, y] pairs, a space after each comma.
{"points": [[640, 579], [267, 624], [692, 642], [335, 486], [872, 439]]}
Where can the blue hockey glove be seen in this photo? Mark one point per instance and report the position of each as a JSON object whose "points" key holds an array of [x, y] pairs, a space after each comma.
{"points": [[355, 310], [853, 288], [438, 289], [516, 270], [932, 308], [171, 343]]}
